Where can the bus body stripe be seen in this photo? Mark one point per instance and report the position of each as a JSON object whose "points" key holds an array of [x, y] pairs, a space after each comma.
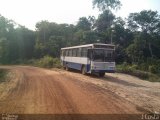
{"points": [[77, 66], [80, 60]]}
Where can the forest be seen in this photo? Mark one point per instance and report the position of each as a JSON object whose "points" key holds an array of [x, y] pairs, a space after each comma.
{"points": [[137, 38]]}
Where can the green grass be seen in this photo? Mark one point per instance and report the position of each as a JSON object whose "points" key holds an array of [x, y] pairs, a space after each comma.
{"points": [[132, 70], [46, 62], [3, 74]]}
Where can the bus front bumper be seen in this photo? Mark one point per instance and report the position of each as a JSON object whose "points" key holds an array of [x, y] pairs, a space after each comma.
{"points": [[102, 71]]}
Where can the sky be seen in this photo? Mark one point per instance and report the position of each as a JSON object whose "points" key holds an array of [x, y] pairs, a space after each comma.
{"points": [[29, 12]]}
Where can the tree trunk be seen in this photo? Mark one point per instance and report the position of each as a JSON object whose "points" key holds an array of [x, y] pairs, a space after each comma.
{"points": [[150, 49]]}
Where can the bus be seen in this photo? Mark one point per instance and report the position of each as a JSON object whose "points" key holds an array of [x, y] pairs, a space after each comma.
{"points": [[90, 58]]}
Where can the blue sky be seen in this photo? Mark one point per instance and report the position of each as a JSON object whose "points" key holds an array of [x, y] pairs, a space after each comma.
{"points": [[29, 12]]}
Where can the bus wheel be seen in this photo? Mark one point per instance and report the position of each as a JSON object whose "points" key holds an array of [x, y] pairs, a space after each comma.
{"points": [[102, 74], [83, 70]]}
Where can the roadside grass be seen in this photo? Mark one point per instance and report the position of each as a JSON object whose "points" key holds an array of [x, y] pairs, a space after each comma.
{"points": [[44, 62], [132, 70], [3, 74]]}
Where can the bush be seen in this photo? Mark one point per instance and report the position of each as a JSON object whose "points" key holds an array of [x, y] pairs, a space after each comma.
{"points": [[56, 63], [125, 68], [143, 66], [132, 70], [153, 69], [2, 75], [135, 67], [46, 62], [140, 74]]}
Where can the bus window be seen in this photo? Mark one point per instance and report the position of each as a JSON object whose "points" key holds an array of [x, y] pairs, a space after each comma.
{"points": [[74, 52], [98, 55], [70, 53], [66, 52], [109, 55], [79, 52], [84, 52]]}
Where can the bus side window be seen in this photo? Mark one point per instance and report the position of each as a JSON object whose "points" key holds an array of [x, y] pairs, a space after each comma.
{"points": [[64, 53], [74, 52], [84, 52], [67, 52], [79, 52], [70, 53]]}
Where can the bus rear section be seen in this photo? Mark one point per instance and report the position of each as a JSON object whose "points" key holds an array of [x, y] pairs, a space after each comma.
{"points": [[92, 58]]}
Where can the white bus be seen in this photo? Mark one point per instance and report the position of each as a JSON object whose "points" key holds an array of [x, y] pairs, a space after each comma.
{"points": [[90, 58]]}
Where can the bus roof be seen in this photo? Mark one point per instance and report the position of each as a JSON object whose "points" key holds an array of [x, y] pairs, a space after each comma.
{"points": [[87, 45]]}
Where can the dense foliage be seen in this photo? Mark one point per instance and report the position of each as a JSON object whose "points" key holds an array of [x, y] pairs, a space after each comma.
{"points": [[3, 74], [137, 38]]}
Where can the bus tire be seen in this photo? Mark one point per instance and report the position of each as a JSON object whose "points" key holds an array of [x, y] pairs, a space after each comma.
{"points": [[83, 70], [101, 74]]}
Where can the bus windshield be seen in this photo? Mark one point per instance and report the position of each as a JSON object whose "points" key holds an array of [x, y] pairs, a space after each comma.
{"points": [[108, 55], [102, 55]]}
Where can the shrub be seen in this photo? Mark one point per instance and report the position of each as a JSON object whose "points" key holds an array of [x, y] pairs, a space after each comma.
{"points": [[132, 70], [46, 62], [140, 74], [56, 63], [2, 75], [134, 66], [153, 69], [125, 68], [143, 67]]}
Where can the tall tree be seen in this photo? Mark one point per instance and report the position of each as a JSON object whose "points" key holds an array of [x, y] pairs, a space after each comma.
{"points": [[83, 24], [147, 23], [26, 42], [103, 5], [8, 37], [103, 26]]}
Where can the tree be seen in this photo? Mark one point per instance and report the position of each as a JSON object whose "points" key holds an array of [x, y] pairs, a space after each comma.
{"points": [[103, 26], [147, 23], [8, 38], [83, 24], [122, 38], [54, 45], [103, 5], [26, 42]]}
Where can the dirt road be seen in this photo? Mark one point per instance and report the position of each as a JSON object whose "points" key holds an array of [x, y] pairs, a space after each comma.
{"points": [[34, 90]]}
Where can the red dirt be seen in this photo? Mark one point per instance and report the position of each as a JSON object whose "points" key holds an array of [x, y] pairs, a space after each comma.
{"points": [[41, 91]]}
